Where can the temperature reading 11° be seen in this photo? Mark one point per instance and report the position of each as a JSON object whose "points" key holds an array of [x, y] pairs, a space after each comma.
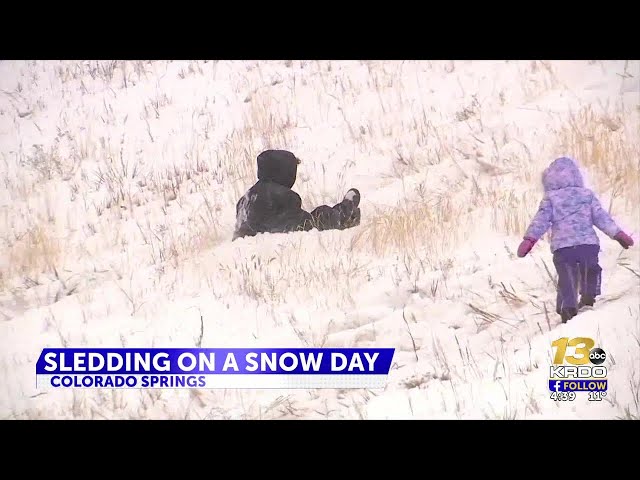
{"points": [[597, 396]]}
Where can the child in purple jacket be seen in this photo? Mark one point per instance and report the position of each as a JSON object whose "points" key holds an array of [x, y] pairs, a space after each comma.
{"points": [[571, 211]]}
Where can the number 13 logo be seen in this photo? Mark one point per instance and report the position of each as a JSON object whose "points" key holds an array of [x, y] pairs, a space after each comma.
{"points": [[583, 346]]}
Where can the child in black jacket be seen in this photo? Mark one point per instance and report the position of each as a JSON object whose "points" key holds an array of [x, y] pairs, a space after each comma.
{"points": [[270, 206]]}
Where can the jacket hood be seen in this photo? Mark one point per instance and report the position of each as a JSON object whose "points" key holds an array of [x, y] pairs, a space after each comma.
{"points": [[562, 173], [279, 166]]}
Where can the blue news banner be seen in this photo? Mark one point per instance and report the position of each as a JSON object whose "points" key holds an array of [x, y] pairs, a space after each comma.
{"points": [[261, 368]]}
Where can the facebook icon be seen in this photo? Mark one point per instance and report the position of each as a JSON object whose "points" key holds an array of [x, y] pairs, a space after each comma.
{"points": [[556, 385]]}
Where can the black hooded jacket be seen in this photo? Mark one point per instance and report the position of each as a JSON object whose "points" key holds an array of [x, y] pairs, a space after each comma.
{"points": [[270, 205]]}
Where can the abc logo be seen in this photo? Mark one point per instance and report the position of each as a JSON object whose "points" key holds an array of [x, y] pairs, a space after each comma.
{"points": [[597, 356]]}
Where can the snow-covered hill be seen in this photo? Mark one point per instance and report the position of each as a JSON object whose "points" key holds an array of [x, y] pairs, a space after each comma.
{"points": [[119, 182]]}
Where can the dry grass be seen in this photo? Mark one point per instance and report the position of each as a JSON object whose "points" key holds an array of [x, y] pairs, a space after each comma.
{"points": [[286, 276], [436, 224], [35, 252], [606, 145]]}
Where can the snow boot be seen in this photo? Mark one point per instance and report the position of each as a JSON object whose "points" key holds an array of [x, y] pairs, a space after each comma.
{"points": [[567, 314], [352, 196], [586, 301]]}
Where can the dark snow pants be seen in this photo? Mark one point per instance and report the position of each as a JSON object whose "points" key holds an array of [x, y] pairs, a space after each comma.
{"points": [[578, 272]]}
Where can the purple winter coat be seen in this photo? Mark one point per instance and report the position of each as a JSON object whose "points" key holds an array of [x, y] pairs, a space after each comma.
{"points": [[569, 209]]}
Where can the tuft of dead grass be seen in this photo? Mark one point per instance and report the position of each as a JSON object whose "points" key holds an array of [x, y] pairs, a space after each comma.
{"points": [[34, 253], [435, 225], [606, 145]]}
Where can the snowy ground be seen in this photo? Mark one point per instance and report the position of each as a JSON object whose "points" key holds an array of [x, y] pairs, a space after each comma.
{"points": [[119, 181]]}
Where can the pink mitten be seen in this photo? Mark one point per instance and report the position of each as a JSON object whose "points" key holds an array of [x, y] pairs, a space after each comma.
{"points": [[525, 246], [623, 239]]}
